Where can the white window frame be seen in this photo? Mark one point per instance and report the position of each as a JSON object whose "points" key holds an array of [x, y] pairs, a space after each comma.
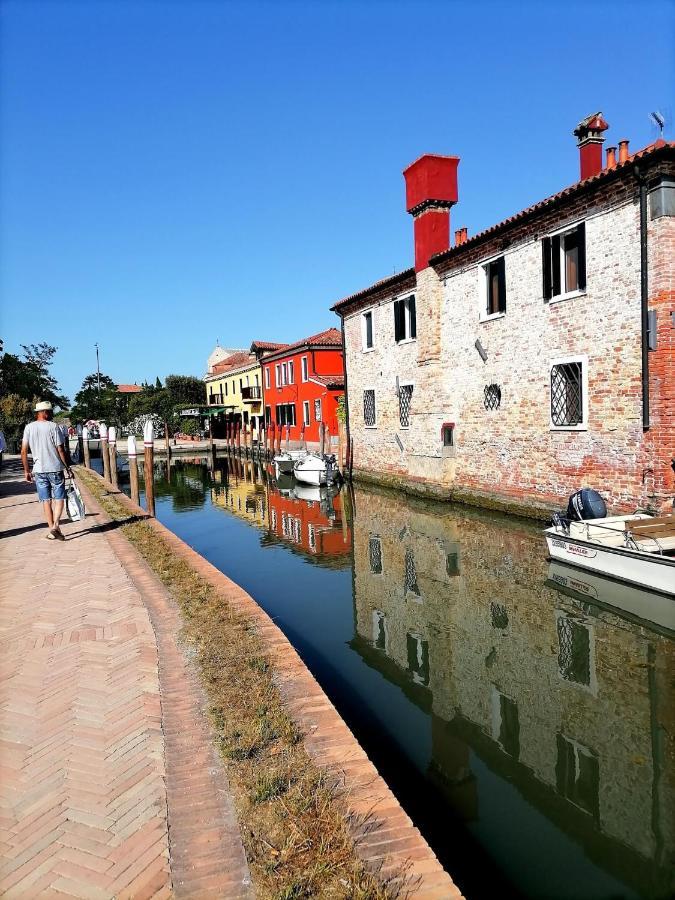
{"points": [[561, 232], [364, 347], [406, 318], [291, 372], [317, 404], [305, 412], [304, 369], [277, 375], [369, 388], [484, 287], [267, 377], [561, 361], [398, 410]]}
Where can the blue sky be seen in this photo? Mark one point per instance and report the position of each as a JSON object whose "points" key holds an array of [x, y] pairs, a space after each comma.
{"points": [[173, 173]]}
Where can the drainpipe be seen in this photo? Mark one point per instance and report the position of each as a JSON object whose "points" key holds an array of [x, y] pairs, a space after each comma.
{"points": [[344, 366], [644, 296]]}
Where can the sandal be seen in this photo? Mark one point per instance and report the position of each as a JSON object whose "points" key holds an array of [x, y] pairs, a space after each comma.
{"points": [[50, 536]]}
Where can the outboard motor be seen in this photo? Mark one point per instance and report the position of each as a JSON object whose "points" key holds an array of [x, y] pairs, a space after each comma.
{"points": [[586, 504]]}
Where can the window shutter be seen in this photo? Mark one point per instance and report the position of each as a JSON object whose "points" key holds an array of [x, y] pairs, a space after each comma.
{"points": [[555, 265], [581, 251], [398, 320], [413, 318], [546, 267], [501, 281]]}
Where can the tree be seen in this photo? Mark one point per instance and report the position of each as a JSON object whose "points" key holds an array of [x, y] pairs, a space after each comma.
{"points": [[186, 389], [89, 404], [30, 377], [15, 413], [178, 391]]}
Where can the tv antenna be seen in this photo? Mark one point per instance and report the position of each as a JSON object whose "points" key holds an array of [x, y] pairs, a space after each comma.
{"points": [[659, 120]]}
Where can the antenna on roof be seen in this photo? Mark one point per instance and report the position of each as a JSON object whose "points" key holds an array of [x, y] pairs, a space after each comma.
{"points": [[659, 120]]}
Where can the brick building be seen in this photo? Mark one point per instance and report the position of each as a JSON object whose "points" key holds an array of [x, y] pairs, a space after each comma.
{"points": [[533, 358]]}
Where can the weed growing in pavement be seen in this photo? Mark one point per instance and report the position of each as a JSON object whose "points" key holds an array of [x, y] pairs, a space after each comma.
{"points": [[292, 819]]}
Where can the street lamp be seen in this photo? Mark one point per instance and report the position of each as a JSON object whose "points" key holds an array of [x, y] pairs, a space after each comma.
{"points": [[98, 374]]}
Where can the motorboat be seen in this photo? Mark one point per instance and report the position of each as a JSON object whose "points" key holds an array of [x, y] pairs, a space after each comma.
{"points": [[636, 603], [637, 549], [315, 469], [284, 463]]}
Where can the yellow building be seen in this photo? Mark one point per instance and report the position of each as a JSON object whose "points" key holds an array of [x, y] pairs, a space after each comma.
{"points": [[234, 388]]}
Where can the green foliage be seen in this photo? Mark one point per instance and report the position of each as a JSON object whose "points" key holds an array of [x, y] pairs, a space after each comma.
{"points": [[108, 405], [189, 427], [15, 413], [186, 389], [178, 391], [30, 377]]}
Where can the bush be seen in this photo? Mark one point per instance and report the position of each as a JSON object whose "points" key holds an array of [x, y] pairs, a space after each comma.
{"points": [[190, 427]]}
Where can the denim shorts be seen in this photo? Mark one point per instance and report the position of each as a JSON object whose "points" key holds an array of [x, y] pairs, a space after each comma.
{"points": [[50, 485]]}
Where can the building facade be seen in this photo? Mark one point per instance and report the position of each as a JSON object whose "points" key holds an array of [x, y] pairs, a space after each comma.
{"points": [[233, 387], [534, 358], [302, 385]]}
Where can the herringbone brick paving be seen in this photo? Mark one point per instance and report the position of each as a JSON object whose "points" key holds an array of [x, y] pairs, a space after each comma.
{"points": [[85, 801]]}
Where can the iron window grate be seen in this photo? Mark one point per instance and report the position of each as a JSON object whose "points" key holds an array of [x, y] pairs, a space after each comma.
{"points": [[375, 553], [574, 653], [405, 393], [566, 394], [369, 407], [500, 618], [411, 586], [492, 396]]}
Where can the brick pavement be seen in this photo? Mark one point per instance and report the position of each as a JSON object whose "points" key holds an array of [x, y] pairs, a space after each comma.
{"points": [[109, 782]]}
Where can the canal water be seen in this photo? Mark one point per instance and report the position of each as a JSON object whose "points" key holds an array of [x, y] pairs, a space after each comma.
{"points": [[525, 724]]}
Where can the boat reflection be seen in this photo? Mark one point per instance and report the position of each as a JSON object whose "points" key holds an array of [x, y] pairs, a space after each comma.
{"points": [[540, 702]]}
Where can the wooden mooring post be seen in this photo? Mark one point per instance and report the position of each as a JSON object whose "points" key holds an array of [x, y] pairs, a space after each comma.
{"points": [[245, 427], [279, 439], [166, 440], [149, 461], [322, 437], [112, 453], [238, 427], [133, 469], [85, 448], [103, 442]]}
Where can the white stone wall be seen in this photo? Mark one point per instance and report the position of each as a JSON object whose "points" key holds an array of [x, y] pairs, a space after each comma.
{"points": [[511, 451]]}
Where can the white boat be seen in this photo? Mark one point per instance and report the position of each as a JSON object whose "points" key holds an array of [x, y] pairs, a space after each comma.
{"points": [[315, 469], [285, 462], [638, 549], [646, 606]]}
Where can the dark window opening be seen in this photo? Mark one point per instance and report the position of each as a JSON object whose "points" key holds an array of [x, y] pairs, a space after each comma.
{"points": [[564, 262], [405, 393], [509, 726], [375, 555], [369, 407], [410, 585], [405, 319], [448, 435], [418, 658], [496, 286], [492, 396], [285, 413], [574, 651], [368, 324], [567, 394], [500, 618], [578, 775]]}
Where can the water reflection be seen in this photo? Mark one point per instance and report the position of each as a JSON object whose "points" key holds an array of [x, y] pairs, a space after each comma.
{"points": [[564, 701], [525, 722]]}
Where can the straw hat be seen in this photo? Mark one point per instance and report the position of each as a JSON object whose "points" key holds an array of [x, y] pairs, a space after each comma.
{"points": [[43, 406]]}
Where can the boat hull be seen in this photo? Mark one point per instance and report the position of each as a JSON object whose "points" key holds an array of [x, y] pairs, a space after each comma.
{"points": [[647, 570], [649, 607]]}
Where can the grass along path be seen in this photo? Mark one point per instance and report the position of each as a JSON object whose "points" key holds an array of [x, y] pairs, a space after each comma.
{"points": [[293, 821]]}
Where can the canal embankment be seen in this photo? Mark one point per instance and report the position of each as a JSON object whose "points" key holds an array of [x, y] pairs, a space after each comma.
{"points": [[316, 816]]}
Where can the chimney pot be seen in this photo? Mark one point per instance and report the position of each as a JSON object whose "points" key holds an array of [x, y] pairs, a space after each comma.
{"points": [[611, 158], [458, 237], [464, 235], [623, 150], [590, 140], [431, 189]]}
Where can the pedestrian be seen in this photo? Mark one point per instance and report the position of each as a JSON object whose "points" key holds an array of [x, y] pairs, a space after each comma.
{"points": [[45, 440]]}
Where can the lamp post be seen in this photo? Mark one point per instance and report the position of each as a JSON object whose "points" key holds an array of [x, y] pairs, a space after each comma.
{"points": [[98, 374]]}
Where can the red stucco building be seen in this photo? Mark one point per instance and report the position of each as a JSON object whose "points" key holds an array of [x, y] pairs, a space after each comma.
{"points": [[302, 385]]}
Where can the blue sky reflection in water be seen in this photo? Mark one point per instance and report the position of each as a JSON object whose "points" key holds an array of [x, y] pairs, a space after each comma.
{"points": [[523, 729]]}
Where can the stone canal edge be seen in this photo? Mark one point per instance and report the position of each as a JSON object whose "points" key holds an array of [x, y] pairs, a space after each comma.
{"points": [[206, 856]]}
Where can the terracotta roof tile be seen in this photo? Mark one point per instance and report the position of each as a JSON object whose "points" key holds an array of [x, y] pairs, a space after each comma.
{"points": [[336, 382], [391, 280], [542, 204], [268, 345], [331, 337], [236, 361], [129, 388]]}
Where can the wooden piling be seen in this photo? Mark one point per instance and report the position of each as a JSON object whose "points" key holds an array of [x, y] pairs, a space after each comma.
{"points": [[103, 441], [112, 452], [322, 437], [85, 445], [279, 429], [166, 440], [133, 469], [149, 453], [238, 428], [245, 427], [288, 438]]}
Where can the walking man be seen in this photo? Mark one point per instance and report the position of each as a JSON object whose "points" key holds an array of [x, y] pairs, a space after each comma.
{"points": [[45, 441]]}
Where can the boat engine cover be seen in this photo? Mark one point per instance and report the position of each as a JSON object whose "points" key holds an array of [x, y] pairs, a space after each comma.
{"points": [[586, 504]]}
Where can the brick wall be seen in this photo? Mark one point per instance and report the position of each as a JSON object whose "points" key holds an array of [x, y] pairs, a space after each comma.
{"points": [[511, 454]]}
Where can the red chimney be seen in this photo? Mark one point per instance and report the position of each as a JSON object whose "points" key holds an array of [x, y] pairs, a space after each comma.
{"points": [[590, 141], [430, 190], [610, 162], [623, 150]]}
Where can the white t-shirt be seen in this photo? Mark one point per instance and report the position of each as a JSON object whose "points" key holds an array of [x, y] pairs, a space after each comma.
{"points": [[43, 437]]}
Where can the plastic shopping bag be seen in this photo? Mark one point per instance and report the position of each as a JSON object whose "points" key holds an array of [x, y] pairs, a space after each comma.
{"points": [[74, 502]]}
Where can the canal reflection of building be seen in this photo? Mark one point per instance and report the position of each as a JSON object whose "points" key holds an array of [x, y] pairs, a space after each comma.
{"points": [[311, 521], [239, 485], [308, 520], [568, 702]]}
